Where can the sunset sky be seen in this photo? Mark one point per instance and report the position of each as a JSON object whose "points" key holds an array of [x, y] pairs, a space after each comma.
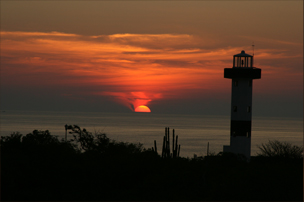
{"points": [[113, 56]]}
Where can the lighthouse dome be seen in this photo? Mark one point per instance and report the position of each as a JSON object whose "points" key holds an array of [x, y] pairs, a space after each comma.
{"points": [[243, 54]]}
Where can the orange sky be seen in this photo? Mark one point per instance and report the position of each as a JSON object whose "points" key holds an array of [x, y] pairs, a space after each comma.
{"points": [[133, 68]]}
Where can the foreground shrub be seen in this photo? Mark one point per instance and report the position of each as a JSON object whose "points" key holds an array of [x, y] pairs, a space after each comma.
{"points": [[11, 142], [39, 167], [100, 143], [279, 149]]}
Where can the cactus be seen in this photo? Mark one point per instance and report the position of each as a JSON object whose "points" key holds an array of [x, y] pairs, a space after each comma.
{"points": [[164, 146], [173, 142], [166, 153], [155, 148]]}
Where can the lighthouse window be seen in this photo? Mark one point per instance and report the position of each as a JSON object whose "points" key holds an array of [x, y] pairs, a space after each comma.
{"points": [[235, 108], [250, 83], [248, 109]]}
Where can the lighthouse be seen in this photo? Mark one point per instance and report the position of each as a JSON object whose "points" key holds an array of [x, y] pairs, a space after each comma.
{"points": [[242, 73]]}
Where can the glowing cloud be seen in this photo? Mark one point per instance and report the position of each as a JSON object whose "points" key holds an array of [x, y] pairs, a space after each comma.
{"points": [[133, 100], [132, 69]]}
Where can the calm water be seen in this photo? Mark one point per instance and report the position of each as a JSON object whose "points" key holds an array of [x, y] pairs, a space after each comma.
{"points": [[194, 131]]}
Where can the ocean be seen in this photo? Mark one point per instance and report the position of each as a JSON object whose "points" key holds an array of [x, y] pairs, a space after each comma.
{"points": [[194, 131]]}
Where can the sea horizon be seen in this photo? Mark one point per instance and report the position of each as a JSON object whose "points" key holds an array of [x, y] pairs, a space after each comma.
{"points": [[195, 131]]}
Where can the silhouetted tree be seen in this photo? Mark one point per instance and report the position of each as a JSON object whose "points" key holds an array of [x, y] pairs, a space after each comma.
{"points": [[11, 142], [100, 143], [83, 137], [275, 148], [39, 137]]}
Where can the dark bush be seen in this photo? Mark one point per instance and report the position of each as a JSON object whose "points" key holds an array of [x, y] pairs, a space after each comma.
{"points": [[92, 167], [275, 148]]}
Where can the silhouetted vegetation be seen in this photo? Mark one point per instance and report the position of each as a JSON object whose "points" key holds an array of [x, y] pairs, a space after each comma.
{"points": [[277, 149], [39, 166], [166, 145]]}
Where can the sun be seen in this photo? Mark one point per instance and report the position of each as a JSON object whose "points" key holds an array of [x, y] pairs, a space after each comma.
{"points": [[142, 108]]}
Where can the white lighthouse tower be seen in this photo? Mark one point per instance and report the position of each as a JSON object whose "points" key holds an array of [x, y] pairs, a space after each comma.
{"points": [[242, 73]]}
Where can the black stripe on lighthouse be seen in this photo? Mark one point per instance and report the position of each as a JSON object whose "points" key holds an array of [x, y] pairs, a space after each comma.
{"points": [[240, 128]]}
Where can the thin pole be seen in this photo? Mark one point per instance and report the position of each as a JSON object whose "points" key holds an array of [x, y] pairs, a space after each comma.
{"points": [[252, 53], [176, 145], [66, 133], [173, 143], [163, 151], [168, 143], [155, 146]]}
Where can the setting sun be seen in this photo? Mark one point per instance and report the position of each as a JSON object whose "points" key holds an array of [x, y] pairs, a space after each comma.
{"points": [[142, 108]]}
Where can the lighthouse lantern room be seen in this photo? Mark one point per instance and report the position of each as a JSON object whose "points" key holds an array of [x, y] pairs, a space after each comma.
{"points": [[242, 73]]}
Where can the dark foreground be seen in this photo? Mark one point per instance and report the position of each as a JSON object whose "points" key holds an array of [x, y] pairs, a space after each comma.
{"points": [[39, 167]]}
